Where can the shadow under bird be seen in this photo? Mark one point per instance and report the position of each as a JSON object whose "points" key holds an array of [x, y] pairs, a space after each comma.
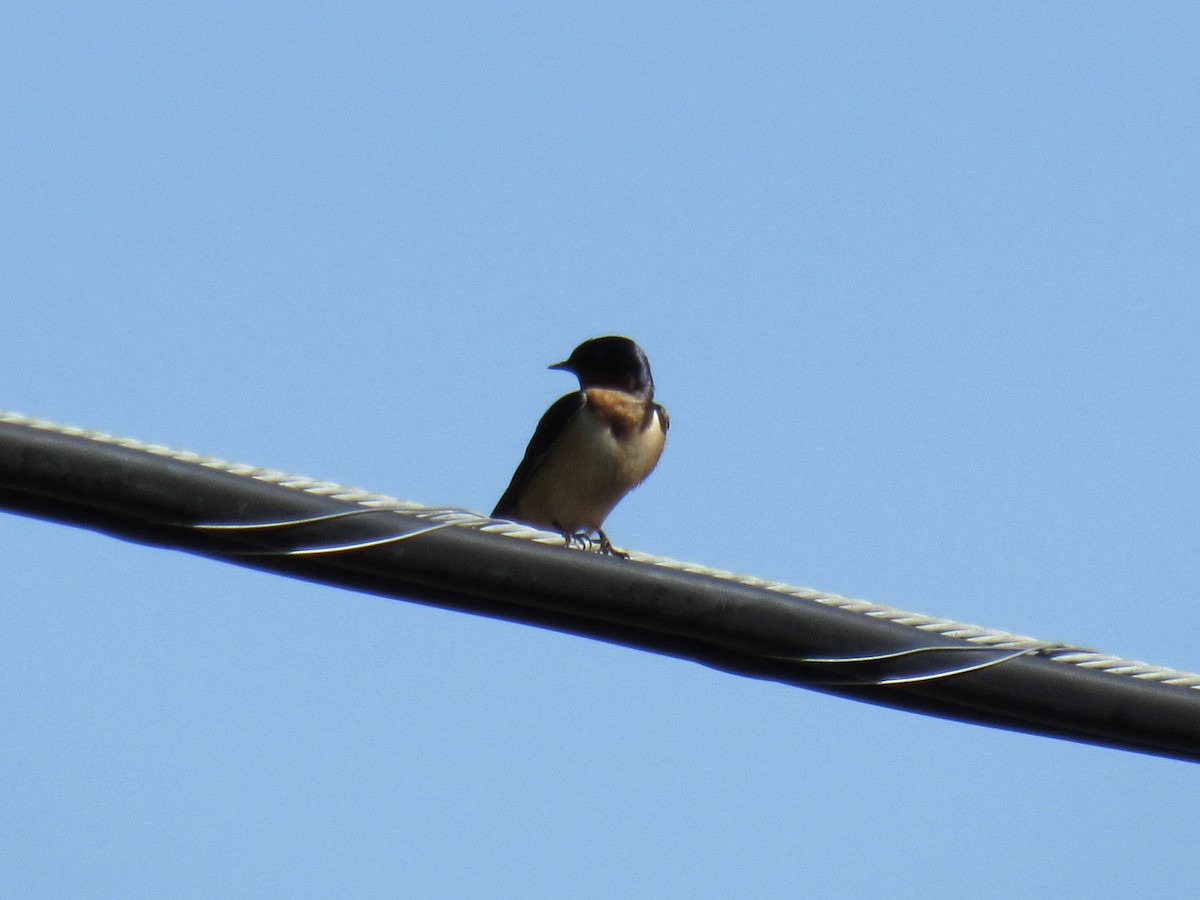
{"points": [[593, 446]]}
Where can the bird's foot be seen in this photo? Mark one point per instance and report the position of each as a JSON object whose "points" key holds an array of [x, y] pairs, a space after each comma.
{"points": [[606, 547], [584, 540], [577, 540]]}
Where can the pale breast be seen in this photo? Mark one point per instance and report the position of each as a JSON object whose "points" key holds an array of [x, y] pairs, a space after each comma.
{"points": [[607, 449]]}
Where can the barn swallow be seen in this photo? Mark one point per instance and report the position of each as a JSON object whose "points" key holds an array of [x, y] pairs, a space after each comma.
{"points": [[593, 446]]}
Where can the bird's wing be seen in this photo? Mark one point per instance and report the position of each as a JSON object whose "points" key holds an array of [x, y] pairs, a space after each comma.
{"points": [[548, 430]]}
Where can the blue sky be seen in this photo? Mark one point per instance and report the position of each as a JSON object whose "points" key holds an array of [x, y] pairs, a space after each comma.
{"points": [[919, 285]]}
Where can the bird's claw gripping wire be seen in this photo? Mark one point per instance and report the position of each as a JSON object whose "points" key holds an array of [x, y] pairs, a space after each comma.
{"points": [[589, 540]]}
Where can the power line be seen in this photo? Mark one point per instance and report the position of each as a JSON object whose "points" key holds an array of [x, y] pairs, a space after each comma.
{"points": [[459, 560]]}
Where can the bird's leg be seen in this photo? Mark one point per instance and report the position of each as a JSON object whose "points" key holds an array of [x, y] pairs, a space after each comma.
{"points": [[572, 539], [583, 539], [606, 547]]}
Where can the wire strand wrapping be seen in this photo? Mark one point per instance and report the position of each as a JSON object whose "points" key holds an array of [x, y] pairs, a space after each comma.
{"points": [[58, 491]]}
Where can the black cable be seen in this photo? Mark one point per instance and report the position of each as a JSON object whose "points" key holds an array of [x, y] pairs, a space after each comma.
{"points": [[155, 499]]}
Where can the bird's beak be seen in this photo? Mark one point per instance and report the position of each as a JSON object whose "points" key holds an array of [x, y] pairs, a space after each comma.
{"points": [[565, 365]]}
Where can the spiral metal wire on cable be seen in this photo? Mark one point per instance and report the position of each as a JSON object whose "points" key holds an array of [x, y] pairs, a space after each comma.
{"points": [[457, 559]]}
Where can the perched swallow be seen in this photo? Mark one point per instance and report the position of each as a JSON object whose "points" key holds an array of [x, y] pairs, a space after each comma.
{"points": [[592, 447]]}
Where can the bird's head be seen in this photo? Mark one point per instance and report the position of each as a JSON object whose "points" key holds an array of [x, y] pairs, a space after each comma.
{"points": [[610, 362]]}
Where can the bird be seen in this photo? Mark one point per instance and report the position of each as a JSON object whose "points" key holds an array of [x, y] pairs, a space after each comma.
{"points": [[592, 446]]}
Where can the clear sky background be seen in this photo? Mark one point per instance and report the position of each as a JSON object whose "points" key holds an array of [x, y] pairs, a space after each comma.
{"points": [[919, 283]]}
